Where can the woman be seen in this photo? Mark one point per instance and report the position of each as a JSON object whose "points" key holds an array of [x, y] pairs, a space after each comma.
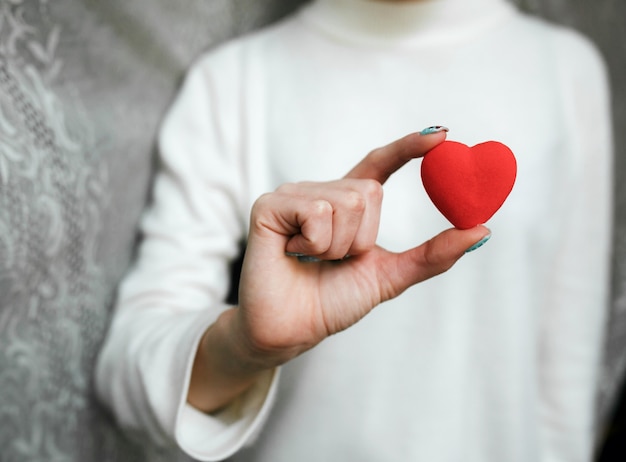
{"points": [[496, 360]]}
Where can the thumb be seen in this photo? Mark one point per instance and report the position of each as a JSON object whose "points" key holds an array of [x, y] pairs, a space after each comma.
{"points": [[433, 257]]}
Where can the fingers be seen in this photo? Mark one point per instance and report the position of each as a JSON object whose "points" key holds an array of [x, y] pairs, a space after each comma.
{"points": [[334, 219], [382, 162], [326, 220], [401, 271]]}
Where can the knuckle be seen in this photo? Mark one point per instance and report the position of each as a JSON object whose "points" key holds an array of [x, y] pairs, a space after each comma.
{"points": [[435, 258], [373, 189], [261, 203], [260, 210], [375, 153], [354, 201], [321, 208], [287, 188]]}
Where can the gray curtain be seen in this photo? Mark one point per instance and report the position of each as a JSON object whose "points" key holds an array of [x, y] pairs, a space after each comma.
{"points": [[83, 85]]}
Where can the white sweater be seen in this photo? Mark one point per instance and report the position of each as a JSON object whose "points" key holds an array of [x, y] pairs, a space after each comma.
{"points": [[494, 361]]}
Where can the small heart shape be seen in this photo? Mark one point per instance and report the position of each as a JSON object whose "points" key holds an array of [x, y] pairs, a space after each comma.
{"points": [[468, 184]]}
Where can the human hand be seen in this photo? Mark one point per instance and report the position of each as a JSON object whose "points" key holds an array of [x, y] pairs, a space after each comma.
{"points": [[287, 306]]}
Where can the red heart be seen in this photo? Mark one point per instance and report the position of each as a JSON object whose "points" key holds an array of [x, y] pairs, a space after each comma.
{"points": [[468, 185]]}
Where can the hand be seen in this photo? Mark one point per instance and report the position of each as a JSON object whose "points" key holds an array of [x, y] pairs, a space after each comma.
{"points": [[287, 306]]}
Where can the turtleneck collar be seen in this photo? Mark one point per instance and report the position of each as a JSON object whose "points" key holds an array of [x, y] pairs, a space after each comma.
{"points": [[413, 23]]}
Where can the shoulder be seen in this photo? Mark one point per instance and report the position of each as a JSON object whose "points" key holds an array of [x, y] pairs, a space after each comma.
{"points": [[235, 51], [577, 51], [569, 49]]}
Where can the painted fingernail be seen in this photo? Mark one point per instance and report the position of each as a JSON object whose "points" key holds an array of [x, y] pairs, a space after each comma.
{"points": [[479, 244], [308, 259], [303, 257], [434, 129]]}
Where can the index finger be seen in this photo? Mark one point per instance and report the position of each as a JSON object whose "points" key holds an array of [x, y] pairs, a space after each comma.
{"points": [[382, 162]]}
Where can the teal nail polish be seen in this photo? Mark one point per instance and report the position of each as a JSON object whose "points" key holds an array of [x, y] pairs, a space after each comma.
{"points": [[308, 259], [303, 257], [294, 254], [434, 129], [479, 244]]}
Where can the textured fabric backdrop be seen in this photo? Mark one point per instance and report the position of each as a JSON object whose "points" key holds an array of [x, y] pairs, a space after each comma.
{"points": [[83, 85]]}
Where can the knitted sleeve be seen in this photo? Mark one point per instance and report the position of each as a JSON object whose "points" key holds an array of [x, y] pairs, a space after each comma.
{"points": [[574, 318], [177, 286]]}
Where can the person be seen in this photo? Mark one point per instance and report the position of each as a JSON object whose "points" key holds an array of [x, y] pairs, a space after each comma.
{"points": [[494, 361]]}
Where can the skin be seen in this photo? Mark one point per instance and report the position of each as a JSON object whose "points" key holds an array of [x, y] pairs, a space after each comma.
{"points": [[287, 307]]}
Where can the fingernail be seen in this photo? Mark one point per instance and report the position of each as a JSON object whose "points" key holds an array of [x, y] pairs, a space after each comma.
{"points": [[308, 259], [434, 129], [294, 254], [303, 258], [479, 244]]}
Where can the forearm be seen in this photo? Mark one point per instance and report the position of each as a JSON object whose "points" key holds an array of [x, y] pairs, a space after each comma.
{"points": [[224, 366]]}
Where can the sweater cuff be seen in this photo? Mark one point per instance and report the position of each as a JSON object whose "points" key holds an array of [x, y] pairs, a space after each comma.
{"points": [[217, 436]]}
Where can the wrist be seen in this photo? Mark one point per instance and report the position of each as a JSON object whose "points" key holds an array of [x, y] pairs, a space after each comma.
{"points": [[223, 369], [241, 348]]}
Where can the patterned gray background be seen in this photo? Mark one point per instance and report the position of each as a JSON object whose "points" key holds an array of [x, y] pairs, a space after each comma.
{"points": [[83, 84]]}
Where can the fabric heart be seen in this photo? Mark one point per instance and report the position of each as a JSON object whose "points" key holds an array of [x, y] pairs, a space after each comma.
{"points": [[468, 184]]}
